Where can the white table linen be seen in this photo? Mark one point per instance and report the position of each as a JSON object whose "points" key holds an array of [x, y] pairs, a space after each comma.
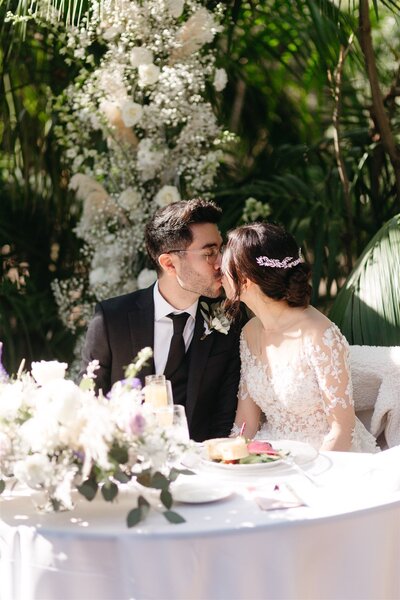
{"points": [[344, 545]]}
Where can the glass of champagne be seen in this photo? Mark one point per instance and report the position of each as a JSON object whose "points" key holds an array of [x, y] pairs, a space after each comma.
{"points": [[158, 391]]}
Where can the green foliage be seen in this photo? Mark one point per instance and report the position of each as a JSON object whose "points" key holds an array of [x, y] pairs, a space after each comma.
{"points": [[367, 309], [37, 242], [281, 62]]}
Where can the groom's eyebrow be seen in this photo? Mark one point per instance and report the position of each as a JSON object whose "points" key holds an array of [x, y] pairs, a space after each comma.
{"points": [[212, 245]]}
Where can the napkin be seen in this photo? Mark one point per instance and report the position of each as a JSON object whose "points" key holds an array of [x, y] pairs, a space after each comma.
{"points": [[277, 496]]}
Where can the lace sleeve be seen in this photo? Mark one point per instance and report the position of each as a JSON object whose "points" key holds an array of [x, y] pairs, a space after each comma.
{"points": [[330, 359], [247, 410]]}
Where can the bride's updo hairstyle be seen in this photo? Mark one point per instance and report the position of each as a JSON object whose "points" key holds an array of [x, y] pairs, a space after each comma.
{"points": [[270, 257]]}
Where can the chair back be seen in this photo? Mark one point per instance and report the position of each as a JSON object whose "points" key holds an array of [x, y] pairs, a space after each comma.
{"points": [[375, 373]]}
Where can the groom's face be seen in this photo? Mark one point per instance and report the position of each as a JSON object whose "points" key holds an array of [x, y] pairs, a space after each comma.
{"points": [[198, 270]]}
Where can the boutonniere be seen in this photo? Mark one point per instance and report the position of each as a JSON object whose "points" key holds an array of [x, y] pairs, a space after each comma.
{"points": [[215, 319]]}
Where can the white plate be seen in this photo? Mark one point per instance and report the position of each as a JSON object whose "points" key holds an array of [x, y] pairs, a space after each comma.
{"points": [[301, 452], [195, 491]]}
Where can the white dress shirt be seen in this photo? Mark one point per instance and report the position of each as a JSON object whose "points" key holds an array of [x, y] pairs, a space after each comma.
{"points": [[164, 328]]}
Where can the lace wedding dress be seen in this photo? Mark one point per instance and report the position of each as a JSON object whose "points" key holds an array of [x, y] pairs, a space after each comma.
{"points": [[298, 380]]}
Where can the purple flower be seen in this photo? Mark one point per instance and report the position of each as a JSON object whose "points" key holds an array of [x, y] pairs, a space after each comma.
{"points": [[137, 424], [133, 382], [3, 372]]}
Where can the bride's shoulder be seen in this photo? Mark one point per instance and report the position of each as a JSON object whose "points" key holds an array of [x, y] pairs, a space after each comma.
{"points": [[252, 327], [321, 329]]}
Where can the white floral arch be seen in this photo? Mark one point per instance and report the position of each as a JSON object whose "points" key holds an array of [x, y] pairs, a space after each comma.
{"points": [[138, 132]]}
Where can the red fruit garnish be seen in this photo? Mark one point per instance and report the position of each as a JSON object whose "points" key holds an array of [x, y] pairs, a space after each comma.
{"points": [[259, 447]]}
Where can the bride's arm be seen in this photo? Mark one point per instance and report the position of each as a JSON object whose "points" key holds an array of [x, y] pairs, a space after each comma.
{"points": [[247, 412], [333, 375]]}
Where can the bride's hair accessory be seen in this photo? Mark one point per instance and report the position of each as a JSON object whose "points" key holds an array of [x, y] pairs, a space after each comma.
{"points": [[286, 263]]}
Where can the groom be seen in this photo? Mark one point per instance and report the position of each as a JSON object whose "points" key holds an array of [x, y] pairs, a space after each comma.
{"points": [[184, 243]]}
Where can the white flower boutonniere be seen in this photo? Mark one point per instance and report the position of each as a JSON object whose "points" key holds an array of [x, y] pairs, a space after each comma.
{"points": [[215, 319]]}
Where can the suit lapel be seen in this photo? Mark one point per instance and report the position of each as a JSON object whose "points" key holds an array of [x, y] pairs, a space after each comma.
{"points": [[141, 325], [199, 352]]}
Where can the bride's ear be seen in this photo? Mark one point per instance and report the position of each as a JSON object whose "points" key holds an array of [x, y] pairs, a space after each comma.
{"points": [[246, 284]]}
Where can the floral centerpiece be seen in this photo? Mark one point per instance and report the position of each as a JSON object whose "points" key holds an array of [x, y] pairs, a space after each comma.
{"points": [[56, 436]]}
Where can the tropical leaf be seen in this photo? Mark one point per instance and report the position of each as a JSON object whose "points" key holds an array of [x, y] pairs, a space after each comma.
{"points": [[367, 309]]}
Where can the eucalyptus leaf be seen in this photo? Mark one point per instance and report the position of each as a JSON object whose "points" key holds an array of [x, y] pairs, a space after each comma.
{"points": [[174, 473], [144, 478], [166, 498], [109, 491], [173, 517], [134, 517], [88, 489], [121, 476], [119, 454], [159, 481], [144, 506]]}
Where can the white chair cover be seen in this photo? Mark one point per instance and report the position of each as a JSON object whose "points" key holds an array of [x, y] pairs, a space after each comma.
{"points": [[375, 374]]}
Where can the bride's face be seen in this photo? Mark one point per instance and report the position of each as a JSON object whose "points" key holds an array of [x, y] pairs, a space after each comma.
{"points": [[227, 281]]}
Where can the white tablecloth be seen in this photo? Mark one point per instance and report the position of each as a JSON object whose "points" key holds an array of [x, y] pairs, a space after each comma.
{"points": [[344, 545]]}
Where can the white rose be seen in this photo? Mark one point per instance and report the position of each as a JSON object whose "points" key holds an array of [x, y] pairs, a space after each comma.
{"points": [[167, 195], [110, 33], [175, 7], [141, 56], [45, 371], [34, 470], [220, 79], [131, 113], [65, 400], [145, 278], [148, 74], [40, 433], [11, 399], [130, 199]]}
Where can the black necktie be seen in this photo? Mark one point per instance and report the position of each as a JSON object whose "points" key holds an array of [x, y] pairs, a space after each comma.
{"points": [[176, 369]]}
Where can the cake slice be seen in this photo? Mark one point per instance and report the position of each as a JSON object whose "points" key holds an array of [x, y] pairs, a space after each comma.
{"points": [[227, 449]]}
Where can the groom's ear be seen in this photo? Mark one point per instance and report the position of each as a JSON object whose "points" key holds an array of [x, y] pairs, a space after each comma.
{"points": [[166, 262]]}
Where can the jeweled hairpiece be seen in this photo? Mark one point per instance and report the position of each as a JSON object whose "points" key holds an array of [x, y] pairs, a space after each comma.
{"points": [[286, 263]]}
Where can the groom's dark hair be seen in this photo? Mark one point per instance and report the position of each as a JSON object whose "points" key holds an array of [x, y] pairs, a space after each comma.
{"points": [[169, 227]]}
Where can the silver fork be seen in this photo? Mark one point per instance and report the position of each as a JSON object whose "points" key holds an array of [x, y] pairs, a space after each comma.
{"points": [[290, 461]]}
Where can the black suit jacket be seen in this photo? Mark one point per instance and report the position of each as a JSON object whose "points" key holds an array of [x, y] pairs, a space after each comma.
{"points": [[124, 325]]}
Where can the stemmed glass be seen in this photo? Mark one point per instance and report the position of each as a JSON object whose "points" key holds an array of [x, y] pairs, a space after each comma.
{"points": [[158, 391], [158, 394]]}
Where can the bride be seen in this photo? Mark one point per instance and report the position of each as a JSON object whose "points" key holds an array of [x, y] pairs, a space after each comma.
{"points": [[295, 379]]}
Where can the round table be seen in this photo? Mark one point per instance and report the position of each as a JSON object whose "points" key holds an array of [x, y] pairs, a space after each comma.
{"points": [[345, 544]]}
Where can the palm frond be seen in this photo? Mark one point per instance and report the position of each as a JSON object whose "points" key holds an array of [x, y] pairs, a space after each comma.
{"points": [[367, 308]]}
